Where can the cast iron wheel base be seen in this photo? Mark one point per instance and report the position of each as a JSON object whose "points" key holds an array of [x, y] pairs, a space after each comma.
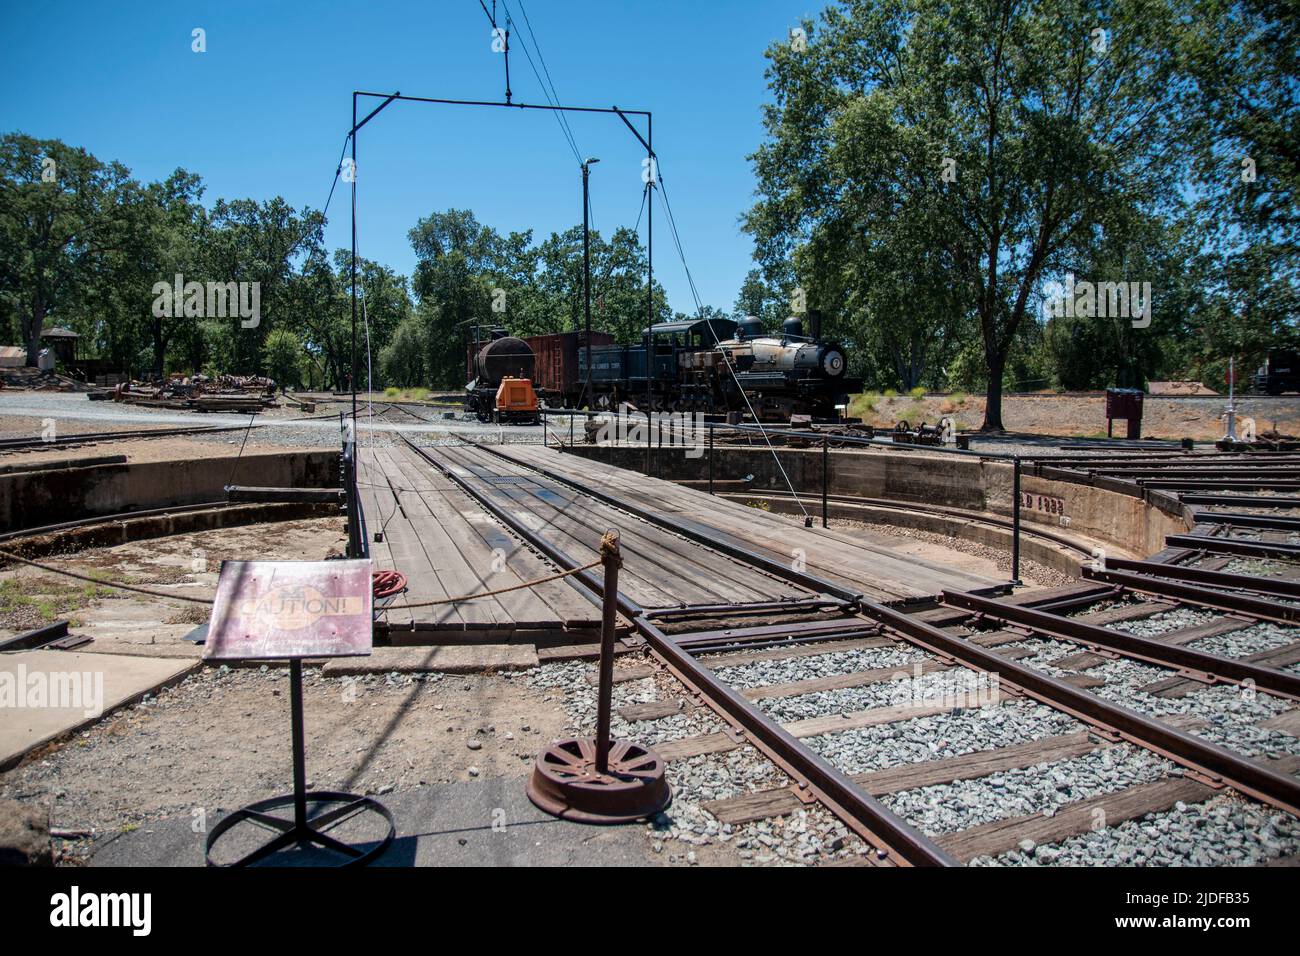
{"points": [[312, 833], [565, 783]]}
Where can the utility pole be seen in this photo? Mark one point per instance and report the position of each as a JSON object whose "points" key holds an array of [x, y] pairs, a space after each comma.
{"points": [[352, 374], [586, 267]]}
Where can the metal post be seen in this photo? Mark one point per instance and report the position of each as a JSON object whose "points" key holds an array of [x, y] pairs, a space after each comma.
{"points": [[586, 269], [826, 460], [611, 559], [546, 441], [353, 383], [1015, 521], [710, 457], [649, 436], [299, 745]]}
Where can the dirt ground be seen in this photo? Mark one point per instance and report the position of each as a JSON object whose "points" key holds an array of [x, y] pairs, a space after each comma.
{"points": [[220, 739], [125, 622], [1083, 415]]}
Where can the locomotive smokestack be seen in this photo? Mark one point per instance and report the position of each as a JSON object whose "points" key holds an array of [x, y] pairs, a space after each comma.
{"points": [[815, 324]]}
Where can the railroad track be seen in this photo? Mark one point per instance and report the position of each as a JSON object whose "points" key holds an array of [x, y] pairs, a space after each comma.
{"points": [[95, 438], [867, 505], [934, 735]]}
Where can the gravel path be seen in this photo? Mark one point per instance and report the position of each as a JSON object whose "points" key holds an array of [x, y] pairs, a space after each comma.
{"points": [[941, 736], [928, 689], [785, 670], [1252, 640], [1232, 712], [1164, 623], [1042, 789], [1223, 831]]}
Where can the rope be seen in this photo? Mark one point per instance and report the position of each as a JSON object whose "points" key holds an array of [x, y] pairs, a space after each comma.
{"points": [[108, 584], [699, 308], [195, 600], [513, 587]]}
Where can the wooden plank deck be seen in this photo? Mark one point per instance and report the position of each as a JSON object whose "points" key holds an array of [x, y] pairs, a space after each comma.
{"points": [[448, 546], [885, 568], [660, 569]]}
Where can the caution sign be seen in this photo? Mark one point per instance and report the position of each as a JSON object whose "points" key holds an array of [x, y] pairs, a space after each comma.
{"points": [[273, 610]]}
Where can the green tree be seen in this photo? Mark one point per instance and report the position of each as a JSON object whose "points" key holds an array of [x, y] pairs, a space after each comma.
{"points": [[1241, 59], [996, 137], [61, 213], [284, 356]]}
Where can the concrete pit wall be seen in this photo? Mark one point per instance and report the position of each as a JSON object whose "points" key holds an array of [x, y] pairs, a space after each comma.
{"points": [[36, 498], [1130, 524]]}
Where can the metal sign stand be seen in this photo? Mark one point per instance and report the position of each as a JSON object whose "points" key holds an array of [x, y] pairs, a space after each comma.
{"points": [[330, 808], [291, 610]]}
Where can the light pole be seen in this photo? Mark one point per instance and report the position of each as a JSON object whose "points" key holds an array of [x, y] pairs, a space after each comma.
{"points": [[586, 266]]}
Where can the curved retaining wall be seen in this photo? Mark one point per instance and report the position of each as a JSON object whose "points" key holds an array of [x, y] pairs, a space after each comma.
{"points": [[1134, 524], [32, 499]]}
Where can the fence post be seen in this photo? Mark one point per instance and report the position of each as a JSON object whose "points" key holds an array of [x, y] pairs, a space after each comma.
{"points": [[710, 457], [611, 559], [826, 460], [1015, 521]]}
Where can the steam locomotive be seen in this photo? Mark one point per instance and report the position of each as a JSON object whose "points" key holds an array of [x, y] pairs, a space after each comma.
{"points": [[704, 365], [717, 365]]}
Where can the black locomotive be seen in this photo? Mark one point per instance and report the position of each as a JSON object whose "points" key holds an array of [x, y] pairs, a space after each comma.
{"points": [[1280, 373], [717, 365]]}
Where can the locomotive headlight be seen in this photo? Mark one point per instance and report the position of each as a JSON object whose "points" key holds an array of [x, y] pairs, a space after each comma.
{"points": [[833, 363]]}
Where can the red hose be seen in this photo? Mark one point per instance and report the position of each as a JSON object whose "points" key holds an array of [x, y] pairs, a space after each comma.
{"points": [[387, 583]]}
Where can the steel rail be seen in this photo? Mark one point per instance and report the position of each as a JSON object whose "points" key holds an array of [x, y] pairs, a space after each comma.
{"points": [[1195, 594], [13, 444], [1217, 545], [1236, 519], [1241, 501], [1199, 596], [119, 516], [1280, 587], [868, 817], [1213, 666], [1212, 762], [970, 516], [755, 607]]}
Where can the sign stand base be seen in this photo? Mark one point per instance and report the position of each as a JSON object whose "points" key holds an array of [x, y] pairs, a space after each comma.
{"points": [[302, 831]]}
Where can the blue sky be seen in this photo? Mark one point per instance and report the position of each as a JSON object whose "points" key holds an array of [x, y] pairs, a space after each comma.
{"points": [[264, 111]]}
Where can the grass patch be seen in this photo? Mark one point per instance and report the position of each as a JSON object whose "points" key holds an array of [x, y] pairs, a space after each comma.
{"points": [[864, 405], [914, 413], [917, 393], [48, 601]]}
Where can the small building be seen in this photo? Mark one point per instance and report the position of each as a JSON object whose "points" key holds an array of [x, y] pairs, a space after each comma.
{"points": [[62, 342], [12, 356]]}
